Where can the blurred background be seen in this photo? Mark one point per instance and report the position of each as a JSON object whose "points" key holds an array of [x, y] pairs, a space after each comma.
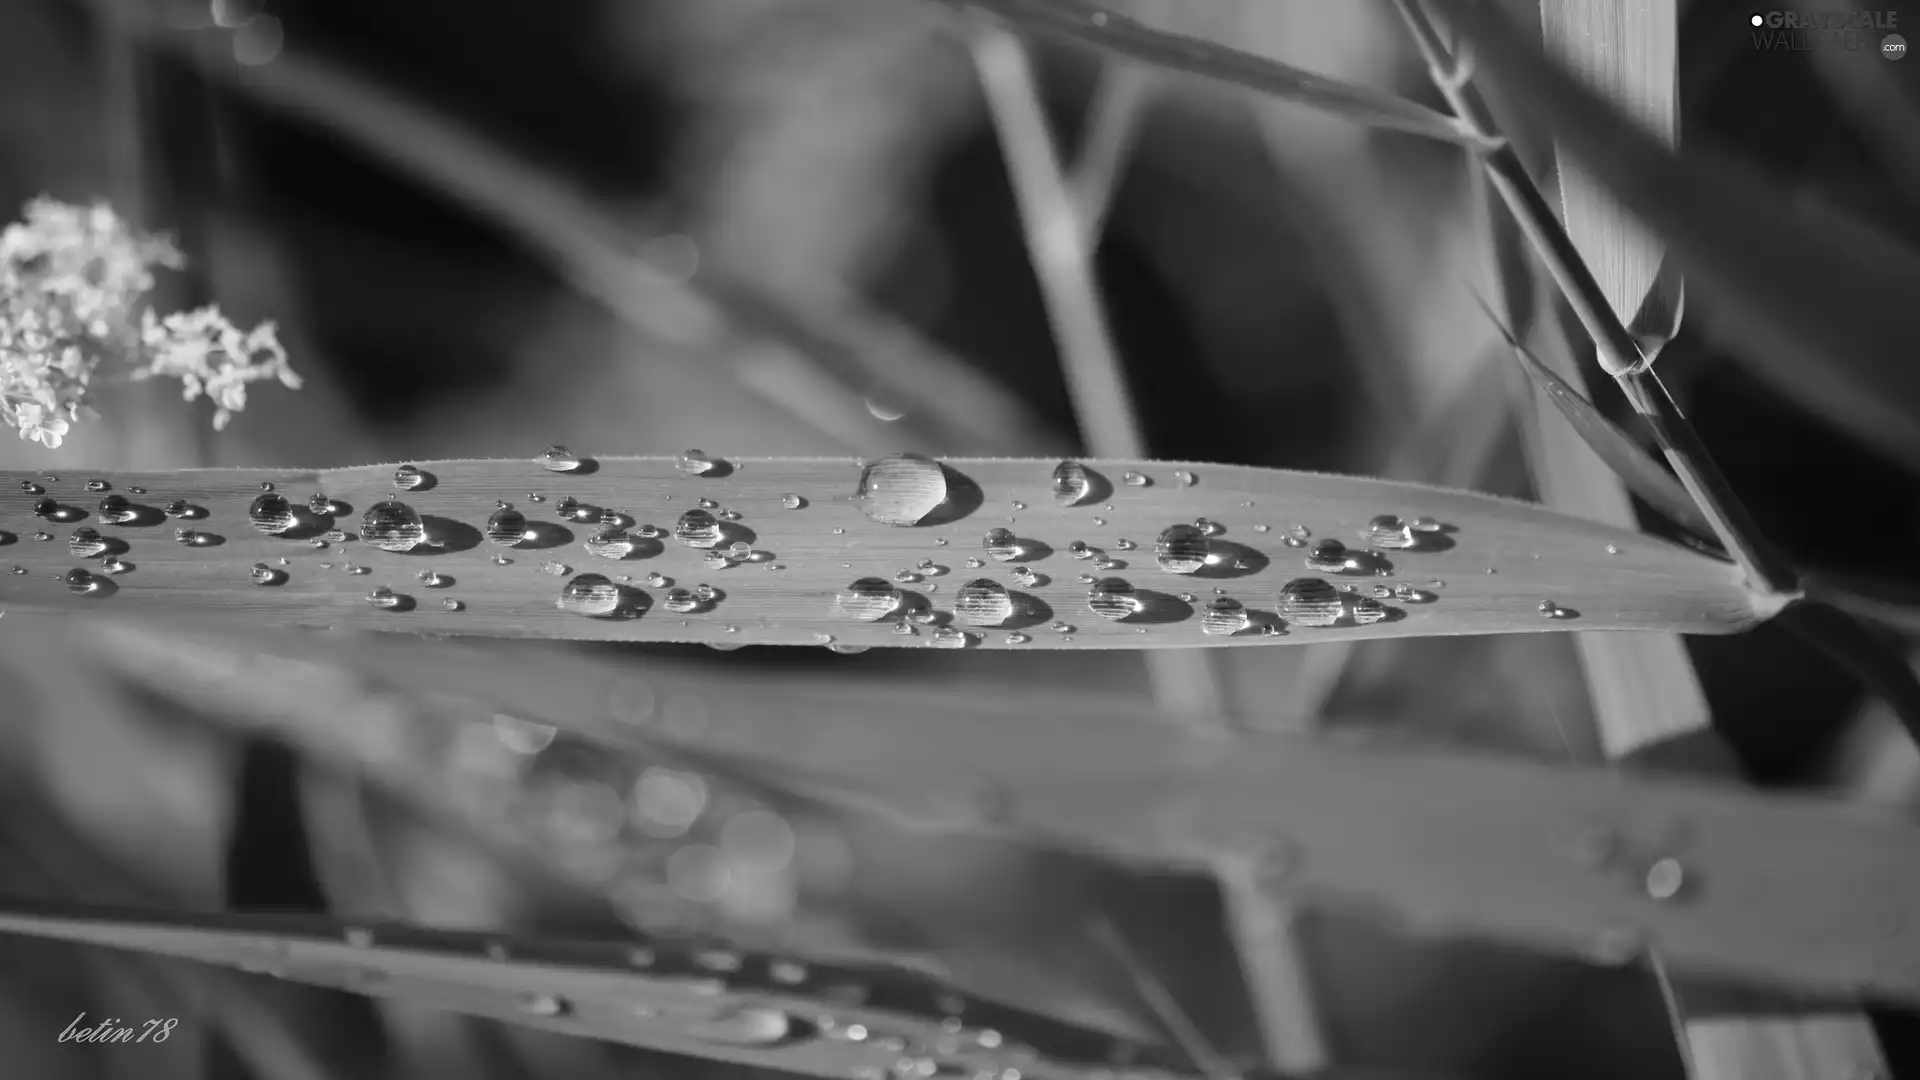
{"points": [[786, 227]]}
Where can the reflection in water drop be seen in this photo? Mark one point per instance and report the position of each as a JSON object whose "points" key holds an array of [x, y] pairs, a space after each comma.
{"points": [[1113, 598], [506, 527], [1310, 602], [983, 602], [590, 594], [1224, 616], [901, 490], [869, 599], [116, 510], [697, 528], [392, 526], [86, 543], [1181, 549], [271, 513], [408, 477], [559, 459]]}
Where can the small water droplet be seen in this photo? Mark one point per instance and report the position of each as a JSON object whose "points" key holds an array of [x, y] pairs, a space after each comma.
{"points": [[1554, 611], [901, 490], [1181, 549], [1124, 544], [319, 505], [1388, 531], [869, 599], [947, 637], [790, 501], [186, 536], [905, 629], [983, 602], [1113, 598], [1425, 524], [80, 581], [137, 490], [716, 560], [32, 488], [905, 577], [697, 528], [357, 569], [1310, 602], [1185, 478], [658, 580], [557, 569], [433, 579], [262, 574], [19, 571], [559, 459], [271, 514], [590, 594], [694, 463], [1666, 878], [1328, 556], [846, 649], [392, 526], [98, 485], [382, 597], [707, 504], [1134, 479], [536, 497], [1262, 528], [705, 593], [1613, 549], [1208, 526], [611, 543], [112, 564], [1367, 610], [452, 605], [86, 543], [115, 509], [1026, 575], [1001, 545], [548, 1005], [335, 536], [680, 601], [408, 477], [650, 532], [1224, 616]]}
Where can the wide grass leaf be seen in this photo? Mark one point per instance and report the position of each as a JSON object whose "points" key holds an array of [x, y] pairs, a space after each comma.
{"points": [[802, 534]]}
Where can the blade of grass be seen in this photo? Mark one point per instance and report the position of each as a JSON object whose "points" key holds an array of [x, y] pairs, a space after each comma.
{"points": [[811, 554], [1186, 684], [1787, 890], [1092, 25], [1813, 300]]}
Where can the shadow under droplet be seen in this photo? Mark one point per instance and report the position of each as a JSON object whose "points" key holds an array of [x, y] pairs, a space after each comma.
{"points": [[306, 525], [7, 538], [717, 469], [448, 535], [1030, 550], [102, 586], [114, 546], [1366, 563], [67, 514], [643, 548], [401, 602], [963, 498], [634, 602], [1158, 608], [424, 481], [732, 532], [1433, 541], [1099, 488], [143, 515], [1226, 559], [1028, 611], [541, 535]]}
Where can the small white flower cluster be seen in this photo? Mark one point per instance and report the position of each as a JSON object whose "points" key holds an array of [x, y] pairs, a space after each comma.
{"points": [[71, 278]]}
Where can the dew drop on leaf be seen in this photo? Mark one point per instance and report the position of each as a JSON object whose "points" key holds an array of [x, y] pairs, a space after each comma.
{"points": [[983, 602], [98, 485], [46, 507], [1185, 478], [81, 582], [1071, 484], [1124, 544], [680, 601], [716, 560], [115, 510], [1181, 549], [262, 574], [1310, 602], [658, 580], [1026, 575], [790, 501], [86, 543], [433, 579], [559, 459], [32, 488], [1224, 616], [383, 597], [901, 490], [1001, 545], [1367, 611], [1388, 531], [392, 526], [1425, 524], [590, 594], [946, 637], [1327, 556], [1113, 599], [506, 527], [694, 463], [1016, 639], [112, 564], [1080, 549], [271, 514], [869, 599], [451, 604], [697, 528], [557, 569], [1134, 479], [1062, 628], [610, 543], [705, 593], [408, 477], [335, 536]]}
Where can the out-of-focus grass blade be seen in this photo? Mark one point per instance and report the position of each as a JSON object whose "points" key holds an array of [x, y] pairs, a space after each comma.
{"points": [[1799, 892], [1628, 52], [701, 999], [1633, 466], [1485, 565], [1092, 25], [1816, 301]]}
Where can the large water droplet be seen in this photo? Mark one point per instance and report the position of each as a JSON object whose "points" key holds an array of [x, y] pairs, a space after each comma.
{"points": [[392, 526], [559, 459], [81, 582], [1071, 484], [271, 513], [590, 594], [697, 528], [1388, 531], [408, 477], [115, 510], [611, 543], [695, 463], [1224, 616], [384, 598], [1310, 602], [868, 599], [1327, 556], [1134, 479], [1181, 549], [901, 490], [1112, 598], [983, 602], [1001, 545], [506, 527], [86, 543]]}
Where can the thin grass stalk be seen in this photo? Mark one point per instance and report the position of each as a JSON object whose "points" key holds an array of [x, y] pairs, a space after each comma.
{"points": [[1113, 127], [1617, 350], [1186, 686]]}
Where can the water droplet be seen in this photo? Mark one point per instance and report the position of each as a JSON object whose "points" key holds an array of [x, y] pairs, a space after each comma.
{"points": [[1208, 526], [19, 571], [80, 581], [1124, 544], [1310, 602], [433, 579], [869, 599], [86, 543], [1001, 545], [590, 594], [1224, 616], [408, 477], [46, 507], [266, 485], [1666, 878], [1613, 549], [1026, 575], [790, 501], [905, 629], [187, 537], [543, 1005], [740, 550], [319, 505], [43, 536], [658, 580], [610, 543], [384, 598], [839, 532], [1071, 483], [506, 527], [1367, 611], [1388, 531], [705, 593], [137, 490], [905, 577], [557, 569], [697, 528], [112, 564], [98, 485], [1113, 598], [650, 532], [452, 605], [392, 526], [32, 488], [559, 459], [1554, 611], [680, 601], [262, 574], [983, 602], [901, 490], [946, 637], [695, 463], [845, 649], [271, 514], [1327, 556], [1100, 523], [1080, 549], [1425, 524], [1134, 479], [1185, 478], [536, 497], [716, 560], [1181, 549], [115, 509], [335, 536], [1062, 628], [356, 569]]}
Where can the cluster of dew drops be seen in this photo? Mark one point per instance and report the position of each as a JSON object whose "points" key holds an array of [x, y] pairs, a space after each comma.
{"points": [[902, 490]]}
